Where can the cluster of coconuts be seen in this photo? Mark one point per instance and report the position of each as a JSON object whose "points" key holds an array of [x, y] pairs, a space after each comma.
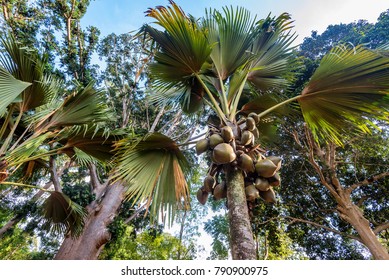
{"points": [[233, 145]]}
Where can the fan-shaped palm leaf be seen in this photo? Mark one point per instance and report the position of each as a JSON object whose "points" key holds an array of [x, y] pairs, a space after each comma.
{"points": [[25, 65], [154, 168], [10, 89], [272, 48], [350, 86], [85, 106], [184, 48], [230, 34], [64, 215]]}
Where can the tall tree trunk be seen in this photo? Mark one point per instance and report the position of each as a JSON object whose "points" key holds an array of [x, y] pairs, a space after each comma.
{"points": [[242, 241], [353, 215], [95, 234]]}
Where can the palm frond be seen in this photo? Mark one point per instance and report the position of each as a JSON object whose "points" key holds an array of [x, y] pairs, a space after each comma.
{"points": [[10, 89], [184, 48], [63, 215], [230, 34], [154, 169], [271, 48], [85, 106], [350, 86], [25, 65]]}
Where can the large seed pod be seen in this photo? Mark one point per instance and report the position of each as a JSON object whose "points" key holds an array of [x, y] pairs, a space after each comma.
{"points": [[209, 183], [246, 163], [262, 184], [215, 140], [269, 195], [275, 180], [227, 133], [250, 124], [254, 116], [265, 168], [223, 153], [247, 137], [276, 160], [202, 146], [251, 193], [220, 191], [202, 196]]}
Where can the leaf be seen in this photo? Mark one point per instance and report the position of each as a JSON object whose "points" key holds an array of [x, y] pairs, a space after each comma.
{"points": [[10, 89], [264, 102], [350, 87], [184, 48], [230, 34], [154, 169], [63, 215], [271, 48]]}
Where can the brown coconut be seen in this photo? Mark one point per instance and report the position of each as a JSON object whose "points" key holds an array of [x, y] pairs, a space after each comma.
{"points": [[265, 168], [223, 153]]}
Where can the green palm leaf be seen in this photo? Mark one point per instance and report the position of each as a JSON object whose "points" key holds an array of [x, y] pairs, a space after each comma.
{"points": [[230, 34], [154, 168], [184, 48], [25, 65], [84, 107], [272, 48], [10, 89], [64, 215], [350, 86]]}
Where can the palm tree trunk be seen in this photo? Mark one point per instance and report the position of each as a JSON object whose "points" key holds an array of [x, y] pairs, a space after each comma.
{"points": [[354, 216], [242, 241], [95, 234]]}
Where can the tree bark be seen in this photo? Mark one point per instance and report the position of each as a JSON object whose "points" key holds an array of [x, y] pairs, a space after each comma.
{"points": [[353, 215], [242, 240], [95, 234]]}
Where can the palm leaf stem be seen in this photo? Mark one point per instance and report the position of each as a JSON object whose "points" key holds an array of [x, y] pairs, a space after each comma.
{"points": [[280, 105], [25, 185], [20, 138], [216, 106], [236, 99], [7, 120], [223, 100], [11, 134]]}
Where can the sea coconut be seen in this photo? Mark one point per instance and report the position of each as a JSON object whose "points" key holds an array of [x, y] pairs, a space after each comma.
{"points": [[247, 137], [209, 183], [255, 132], [202, 196], [265, 168], [214, 140], [254, 116], [223, 153], [202, 146], [251, 193], [250, 124], [275, 180], [220, 191], [269, 195], [262, 184], [227, 134], [276, 160], [246, 163]]}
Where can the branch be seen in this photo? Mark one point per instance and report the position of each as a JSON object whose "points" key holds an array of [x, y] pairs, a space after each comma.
{"points": [[380, 228], [323, 227], [367, 181]]}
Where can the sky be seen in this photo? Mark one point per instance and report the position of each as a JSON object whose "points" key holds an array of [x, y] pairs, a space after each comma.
{"points": [[121, 16]]}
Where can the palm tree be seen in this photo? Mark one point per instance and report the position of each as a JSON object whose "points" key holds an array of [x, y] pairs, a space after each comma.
{"points": [[238, 67], [39, 123]]}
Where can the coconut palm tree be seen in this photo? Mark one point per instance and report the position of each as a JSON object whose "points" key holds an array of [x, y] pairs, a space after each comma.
{"points": [[238, 67]]}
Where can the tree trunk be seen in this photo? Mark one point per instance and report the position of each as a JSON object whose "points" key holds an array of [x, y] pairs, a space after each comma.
{"points": [[242, 241], [354, 216], [95, 234]]}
